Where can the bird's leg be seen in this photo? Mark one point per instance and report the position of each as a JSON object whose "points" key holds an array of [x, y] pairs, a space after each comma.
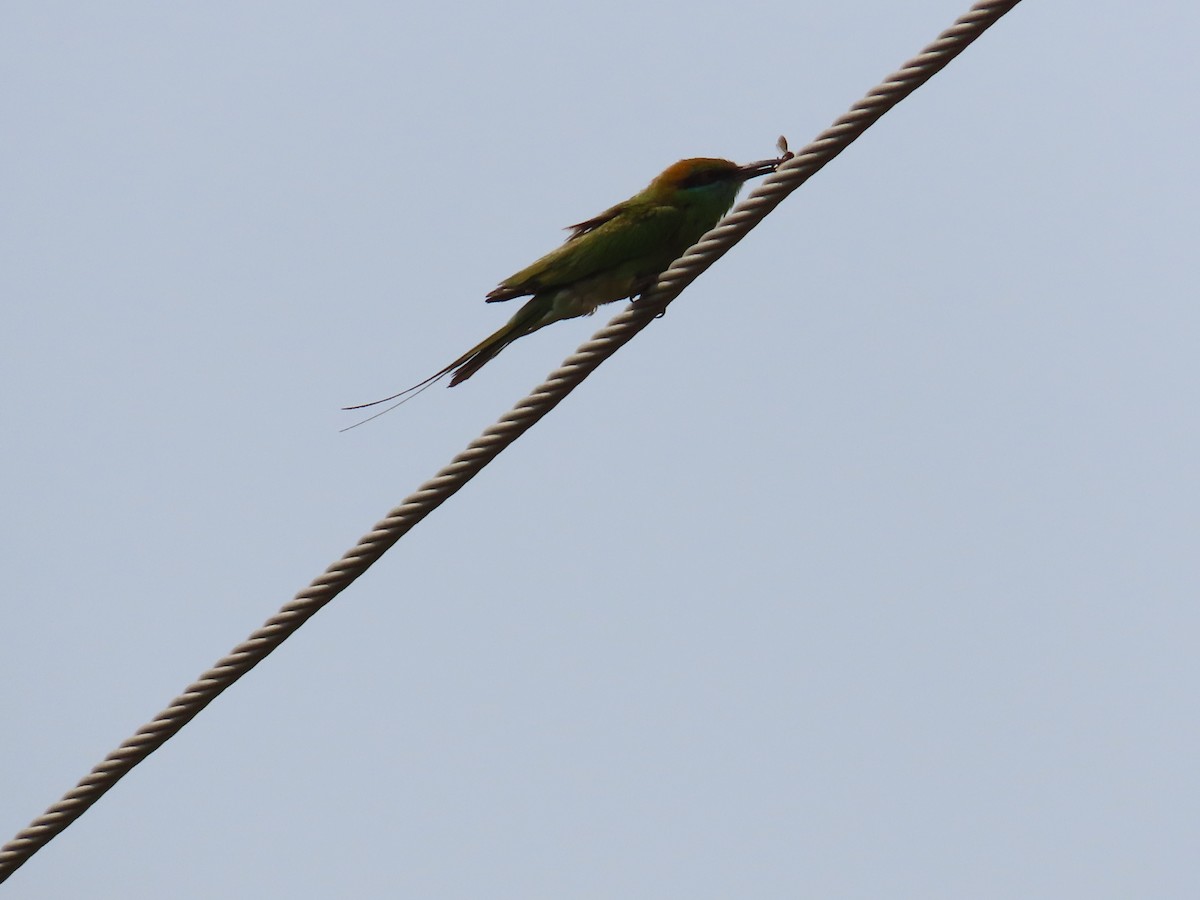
{"points": [[640, 287]]}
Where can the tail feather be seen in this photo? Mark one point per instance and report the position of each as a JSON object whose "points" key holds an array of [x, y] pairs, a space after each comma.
{"points": [[476, 361], [528, 319]]}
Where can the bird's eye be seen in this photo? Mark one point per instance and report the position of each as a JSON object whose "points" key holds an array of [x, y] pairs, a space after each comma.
{"points": [[703, 177]]}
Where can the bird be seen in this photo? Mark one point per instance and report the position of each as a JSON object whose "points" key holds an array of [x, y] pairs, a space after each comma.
{"points": [[614, 255]]}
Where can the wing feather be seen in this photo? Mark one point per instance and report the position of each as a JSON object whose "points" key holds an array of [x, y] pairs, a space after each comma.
{"points": [[637, 241]]}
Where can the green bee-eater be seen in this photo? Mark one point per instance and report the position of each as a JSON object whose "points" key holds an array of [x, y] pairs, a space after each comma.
{"points": [[615, 255]]}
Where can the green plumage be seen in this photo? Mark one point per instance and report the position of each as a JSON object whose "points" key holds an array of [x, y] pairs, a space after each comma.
{"points": [[615, 255], [610, 257]]}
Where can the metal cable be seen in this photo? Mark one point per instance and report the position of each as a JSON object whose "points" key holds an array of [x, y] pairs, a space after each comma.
{"points": [[510, 426]]}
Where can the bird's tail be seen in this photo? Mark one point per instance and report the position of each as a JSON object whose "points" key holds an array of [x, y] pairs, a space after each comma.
{"points": [[529, 318]]}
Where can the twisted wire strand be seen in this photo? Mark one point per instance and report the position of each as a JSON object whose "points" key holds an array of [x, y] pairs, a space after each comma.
{"points": [[500, 435]]}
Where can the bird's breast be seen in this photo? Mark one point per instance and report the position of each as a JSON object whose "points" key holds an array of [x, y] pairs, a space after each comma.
{"points": [[582, 298]]}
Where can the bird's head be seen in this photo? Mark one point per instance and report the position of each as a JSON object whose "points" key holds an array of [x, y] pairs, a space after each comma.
{"points": [[708, 176]]}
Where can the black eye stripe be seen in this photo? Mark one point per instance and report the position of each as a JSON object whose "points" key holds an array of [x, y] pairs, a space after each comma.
{"points": [[699, 179]]}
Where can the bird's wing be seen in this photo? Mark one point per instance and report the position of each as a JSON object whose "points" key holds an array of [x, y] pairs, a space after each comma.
{"points": [[625, 240], [579, 229]]}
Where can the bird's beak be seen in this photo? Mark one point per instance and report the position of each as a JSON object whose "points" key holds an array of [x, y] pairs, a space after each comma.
{"points": [[763, 167]]}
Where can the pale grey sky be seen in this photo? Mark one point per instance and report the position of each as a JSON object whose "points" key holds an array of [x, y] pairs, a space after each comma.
{"points": [[869, 571]]}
